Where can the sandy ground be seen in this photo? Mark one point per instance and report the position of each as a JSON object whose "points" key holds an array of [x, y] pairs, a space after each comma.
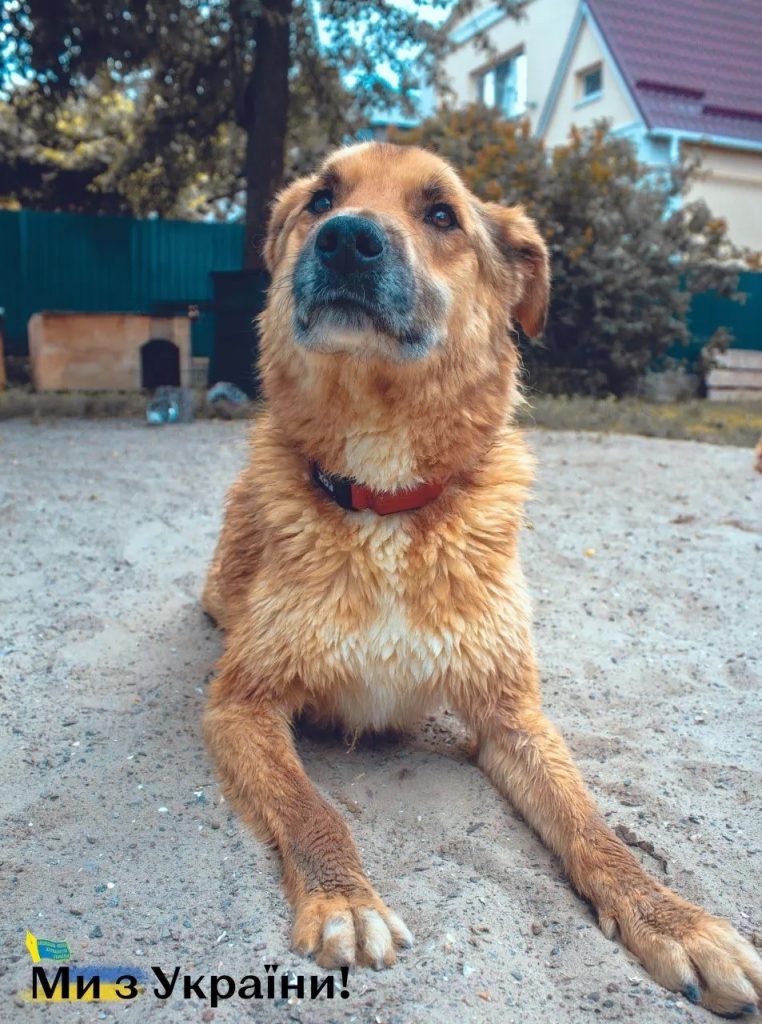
{"points": [[644, 560]]}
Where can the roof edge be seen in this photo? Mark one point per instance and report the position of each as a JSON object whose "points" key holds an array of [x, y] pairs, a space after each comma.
{"points": [[584, 15], [609, 51], [721, 141]]}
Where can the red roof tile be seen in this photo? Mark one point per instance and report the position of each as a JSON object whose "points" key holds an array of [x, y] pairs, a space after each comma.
{"points": [[692, 65]]}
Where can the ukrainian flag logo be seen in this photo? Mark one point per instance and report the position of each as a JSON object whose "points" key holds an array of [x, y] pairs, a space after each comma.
{"points": [[44, 949], [100, 982]]}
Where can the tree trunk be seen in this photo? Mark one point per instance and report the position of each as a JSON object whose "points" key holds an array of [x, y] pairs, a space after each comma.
{"points": [[266, 122]]}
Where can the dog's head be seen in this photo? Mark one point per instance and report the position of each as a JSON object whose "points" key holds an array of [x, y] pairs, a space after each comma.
{"points": [[394, 290]]}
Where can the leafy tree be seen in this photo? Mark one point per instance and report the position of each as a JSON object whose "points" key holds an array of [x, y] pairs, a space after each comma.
{"points": [[224, 93], [626, 257], [60, 157]]}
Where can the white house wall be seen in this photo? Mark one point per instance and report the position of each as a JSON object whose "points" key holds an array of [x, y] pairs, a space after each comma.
{"points": [[731, 179], [612, 103], [730, 182], [542, 34]]}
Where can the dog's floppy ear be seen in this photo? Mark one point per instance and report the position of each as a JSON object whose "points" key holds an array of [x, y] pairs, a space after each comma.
{"points": [[286, 206], [521, 245]]}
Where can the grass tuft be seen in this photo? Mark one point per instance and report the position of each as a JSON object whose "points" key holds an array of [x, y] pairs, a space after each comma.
{"points": [[734, 423]]}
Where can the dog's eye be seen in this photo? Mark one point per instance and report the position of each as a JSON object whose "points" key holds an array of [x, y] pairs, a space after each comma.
{"points": [[321, 202], [441, 216]]}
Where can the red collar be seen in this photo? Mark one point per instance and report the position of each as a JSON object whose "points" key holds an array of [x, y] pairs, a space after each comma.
{"points": [[356, 497]]}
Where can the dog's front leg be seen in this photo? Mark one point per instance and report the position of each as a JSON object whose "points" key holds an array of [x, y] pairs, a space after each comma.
{"points": [[339, 917], [682, 946]]}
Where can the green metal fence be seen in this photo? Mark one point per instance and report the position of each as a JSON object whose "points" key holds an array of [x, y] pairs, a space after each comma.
{"points": [[71, 262], [743, 319]]}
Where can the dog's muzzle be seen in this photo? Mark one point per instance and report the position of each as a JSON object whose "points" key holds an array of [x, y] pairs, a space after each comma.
{"points": [[353, 275]]}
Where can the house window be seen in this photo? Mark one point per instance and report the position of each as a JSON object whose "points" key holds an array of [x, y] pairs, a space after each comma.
{"points": [[504, 86], [590, 82]]}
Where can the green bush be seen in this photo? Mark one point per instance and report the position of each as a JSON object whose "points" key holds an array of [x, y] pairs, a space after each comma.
{"points": [[625, 262]]}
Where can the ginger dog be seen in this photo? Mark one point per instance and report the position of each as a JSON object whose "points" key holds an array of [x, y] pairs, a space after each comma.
{"points": [[368, 566]]}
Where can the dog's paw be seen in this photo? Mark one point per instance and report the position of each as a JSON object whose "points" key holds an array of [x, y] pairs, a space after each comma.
{"points": [[688, 950], [347, 930]]}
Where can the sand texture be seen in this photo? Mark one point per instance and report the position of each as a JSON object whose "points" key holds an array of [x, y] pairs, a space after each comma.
{"points": [[645, 563]]}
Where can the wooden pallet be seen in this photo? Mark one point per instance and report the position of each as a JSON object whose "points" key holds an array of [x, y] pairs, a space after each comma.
{"points": [[736, 377]]}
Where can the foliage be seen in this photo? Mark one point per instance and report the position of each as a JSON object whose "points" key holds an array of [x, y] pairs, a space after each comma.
{"points": [[626, 259], [139, 106], [155, 106], [77, 155]]}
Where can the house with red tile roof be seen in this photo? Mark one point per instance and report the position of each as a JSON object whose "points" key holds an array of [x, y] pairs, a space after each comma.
{"points": [[680, 78]]}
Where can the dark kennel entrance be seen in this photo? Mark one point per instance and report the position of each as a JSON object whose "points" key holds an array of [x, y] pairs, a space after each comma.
{"points": [[159, 364]]}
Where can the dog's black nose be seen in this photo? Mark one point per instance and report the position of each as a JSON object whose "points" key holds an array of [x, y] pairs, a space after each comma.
{"points": [[349, 245]]}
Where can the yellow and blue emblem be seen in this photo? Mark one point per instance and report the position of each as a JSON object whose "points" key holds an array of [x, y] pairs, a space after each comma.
{"points": [[45, 949]]}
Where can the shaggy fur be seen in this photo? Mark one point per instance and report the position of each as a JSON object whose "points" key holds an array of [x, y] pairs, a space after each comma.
{"points": [[372, 621]]}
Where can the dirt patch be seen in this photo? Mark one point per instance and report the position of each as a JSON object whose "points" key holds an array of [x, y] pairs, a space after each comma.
{"points": [[643, 561]]}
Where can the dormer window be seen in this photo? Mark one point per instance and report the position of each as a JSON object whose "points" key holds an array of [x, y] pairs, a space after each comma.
{"points": [[590, 82], [504, 86]]}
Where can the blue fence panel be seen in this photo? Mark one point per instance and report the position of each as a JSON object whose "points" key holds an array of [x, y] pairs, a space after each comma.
{"points": [[710, 311], [11, 275], [71, 262]]}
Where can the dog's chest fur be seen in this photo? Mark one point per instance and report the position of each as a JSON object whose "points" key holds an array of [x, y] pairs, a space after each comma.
{"points": [[373, 620], [347, 619], [388, 665]]}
